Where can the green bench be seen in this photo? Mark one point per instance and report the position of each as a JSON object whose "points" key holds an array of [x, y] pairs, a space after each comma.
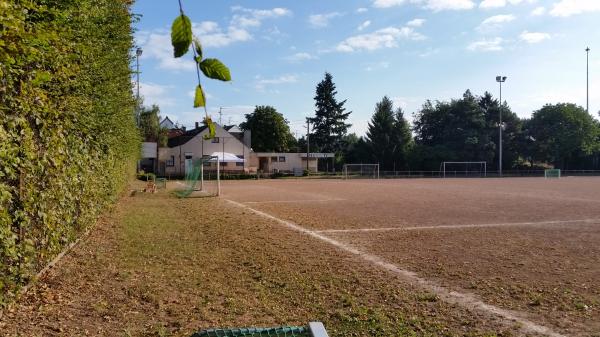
{"points": [[314, 329]]}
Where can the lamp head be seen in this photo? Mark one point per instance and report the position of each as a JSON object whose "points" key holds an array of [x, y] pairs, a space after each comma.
{"points": [[138, 52], [500, 78]]}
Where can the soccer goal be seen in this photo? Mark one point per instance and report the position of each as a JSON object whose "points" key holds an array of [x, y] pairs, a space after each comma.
{"points": [[552, 174], [202, 178], [364, 171], [463, 169]]}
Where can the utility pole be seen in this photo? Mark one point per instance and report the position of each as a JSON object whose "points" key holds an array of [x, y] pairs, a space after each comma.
{"points": [[500, 79], [220, 115], [587, 78]]}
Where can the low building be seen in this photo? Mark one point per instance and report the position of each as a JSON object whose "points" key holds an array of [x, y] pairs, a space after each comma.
{"points": [[233, 147], [183, 149], [273, 162]]}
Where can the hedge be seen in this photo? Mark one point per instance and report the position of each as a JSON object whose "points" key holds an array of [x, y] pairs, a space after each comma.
{"points": [[68, 140]]}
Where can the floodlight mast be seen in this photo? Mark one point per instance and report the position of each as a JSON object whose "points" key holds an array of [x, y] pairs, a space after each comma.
{"points": [[587, 79], [500, 80]]}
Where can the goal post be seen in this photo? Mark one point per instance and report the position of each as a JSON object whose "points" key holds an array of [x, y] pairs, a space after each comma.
{"points": [[552, 174], [201, 178], [466, 168], [367, 171]]}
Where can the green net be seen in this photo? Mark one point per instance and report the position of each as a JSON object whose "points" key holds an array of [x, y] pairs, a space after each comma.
{"points": [[191, 180], [552, 173], [279, 332]]}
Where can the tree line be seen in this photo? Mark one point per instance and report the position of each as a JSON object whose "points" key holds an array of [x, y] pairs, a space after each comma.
{"points": [[562, 135]]}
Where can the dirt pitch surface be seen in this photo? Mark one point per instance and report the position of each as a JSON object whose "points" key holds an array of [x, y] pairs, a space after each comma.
{"points": [[523, 249], [511, 257]]}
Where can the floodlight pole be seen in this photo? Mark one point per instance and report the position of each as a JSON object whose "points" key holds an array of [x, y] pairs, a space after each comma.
{"points": [[500, 80], [587, 78], [138, 53]]}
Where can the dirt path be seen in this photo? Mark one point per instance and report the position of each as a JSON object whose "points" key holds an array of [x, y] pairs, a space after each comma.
{"points": [[160, 266]]}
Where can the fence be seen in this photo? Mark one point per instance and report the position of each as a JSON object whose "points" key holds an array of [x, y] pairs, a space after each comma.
{"points": [[479, 174]]}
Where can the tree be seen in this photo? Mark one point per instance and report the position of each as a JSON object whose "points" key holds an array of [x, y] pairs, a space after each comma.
{"points": [[380, 134], [329, 123], [465, 129], [563, 134], [357, 150], [402, 139], [514, 145], [270, 130], [150, 126]]}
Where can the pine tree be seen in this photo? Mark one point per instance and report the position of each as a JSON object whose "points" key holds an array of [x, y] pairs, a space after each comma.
{"points": [[380, 134], [329, 123], [403, 140]]}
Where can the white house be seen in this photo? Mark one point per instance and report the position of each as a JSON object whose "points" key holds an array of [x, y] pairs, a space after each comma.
{"points": [[233, 147], [183, 149]]}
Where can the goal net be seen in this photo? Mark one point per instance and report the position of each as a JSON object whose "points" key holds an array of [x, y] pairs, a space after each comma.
{"points": [[202, 178], [463, 169], [366, 171], [552, 173]]}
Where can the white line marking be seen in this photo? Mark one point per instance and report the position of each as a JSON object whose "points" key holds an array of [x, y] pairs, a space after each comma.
{"points": [[508, 224], [466, 300], [292, 201]]}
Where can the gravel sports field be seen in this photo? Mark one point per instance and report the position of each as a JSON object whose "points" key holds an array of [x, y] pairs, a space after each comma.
{"points": [[525, 250]]}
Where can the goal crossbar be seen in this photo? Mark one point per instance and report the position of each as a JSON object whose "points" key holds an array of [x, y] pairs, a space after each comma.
{"points": [[361, 170], [482, 164]]}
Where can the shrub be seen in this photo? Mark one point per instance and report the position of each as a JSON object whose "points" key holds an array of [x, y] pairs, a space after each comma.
{"points": [[68, 141]]}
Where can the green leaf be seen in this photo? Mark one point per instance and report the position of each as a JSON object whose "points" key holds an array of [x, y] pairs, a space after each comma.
{"points": [[181, 35], [212, 129], [213, 68], [199, 99], [198, 47]]}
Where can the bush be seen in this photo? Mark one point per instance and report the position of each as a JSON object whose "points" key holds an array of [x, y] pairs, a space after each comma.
{"points": [[68, 141]]}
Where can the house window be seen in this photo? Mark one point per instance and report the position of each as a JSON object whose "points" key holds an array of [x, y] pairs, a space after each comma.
{"points": [[239, 164], [223, 163], [274, 159], [282, 159], [171, 161], [215, 140]]}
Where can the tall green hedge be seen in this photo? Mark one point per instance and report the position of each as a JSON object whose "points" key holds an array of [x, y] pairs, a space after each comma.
{"points": [[68, 141]]}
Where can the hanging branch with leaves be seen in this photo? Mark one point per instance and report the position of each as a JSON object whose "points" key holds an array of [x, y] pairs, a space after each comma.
{"points": [[181, 39]]}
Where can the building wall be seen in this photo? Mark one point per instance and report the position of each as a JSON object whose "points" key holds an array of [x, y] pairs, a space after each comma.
{"points": [[292, 161], [198, 147]]}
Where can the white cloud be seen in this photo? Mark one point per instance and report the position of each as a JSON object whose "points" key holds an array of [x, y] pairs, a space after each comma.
{"points": [[362, 10], [248, 17], [435, 5], [532, 37], [262, 83], [299, 57], [322, 20], [211, 34], [495, 22], [538, 11], [158, 94], [387, 3], [494, 44], [440, 5], [485, 4], [157, 46], [492, 4], [566, 8], [416, 22], [383, 38], [364, 25]]}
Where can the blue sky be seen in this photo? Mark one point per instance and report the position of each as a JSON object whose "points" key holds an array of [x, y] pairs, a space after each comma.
{"points": [[410, 50]]}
